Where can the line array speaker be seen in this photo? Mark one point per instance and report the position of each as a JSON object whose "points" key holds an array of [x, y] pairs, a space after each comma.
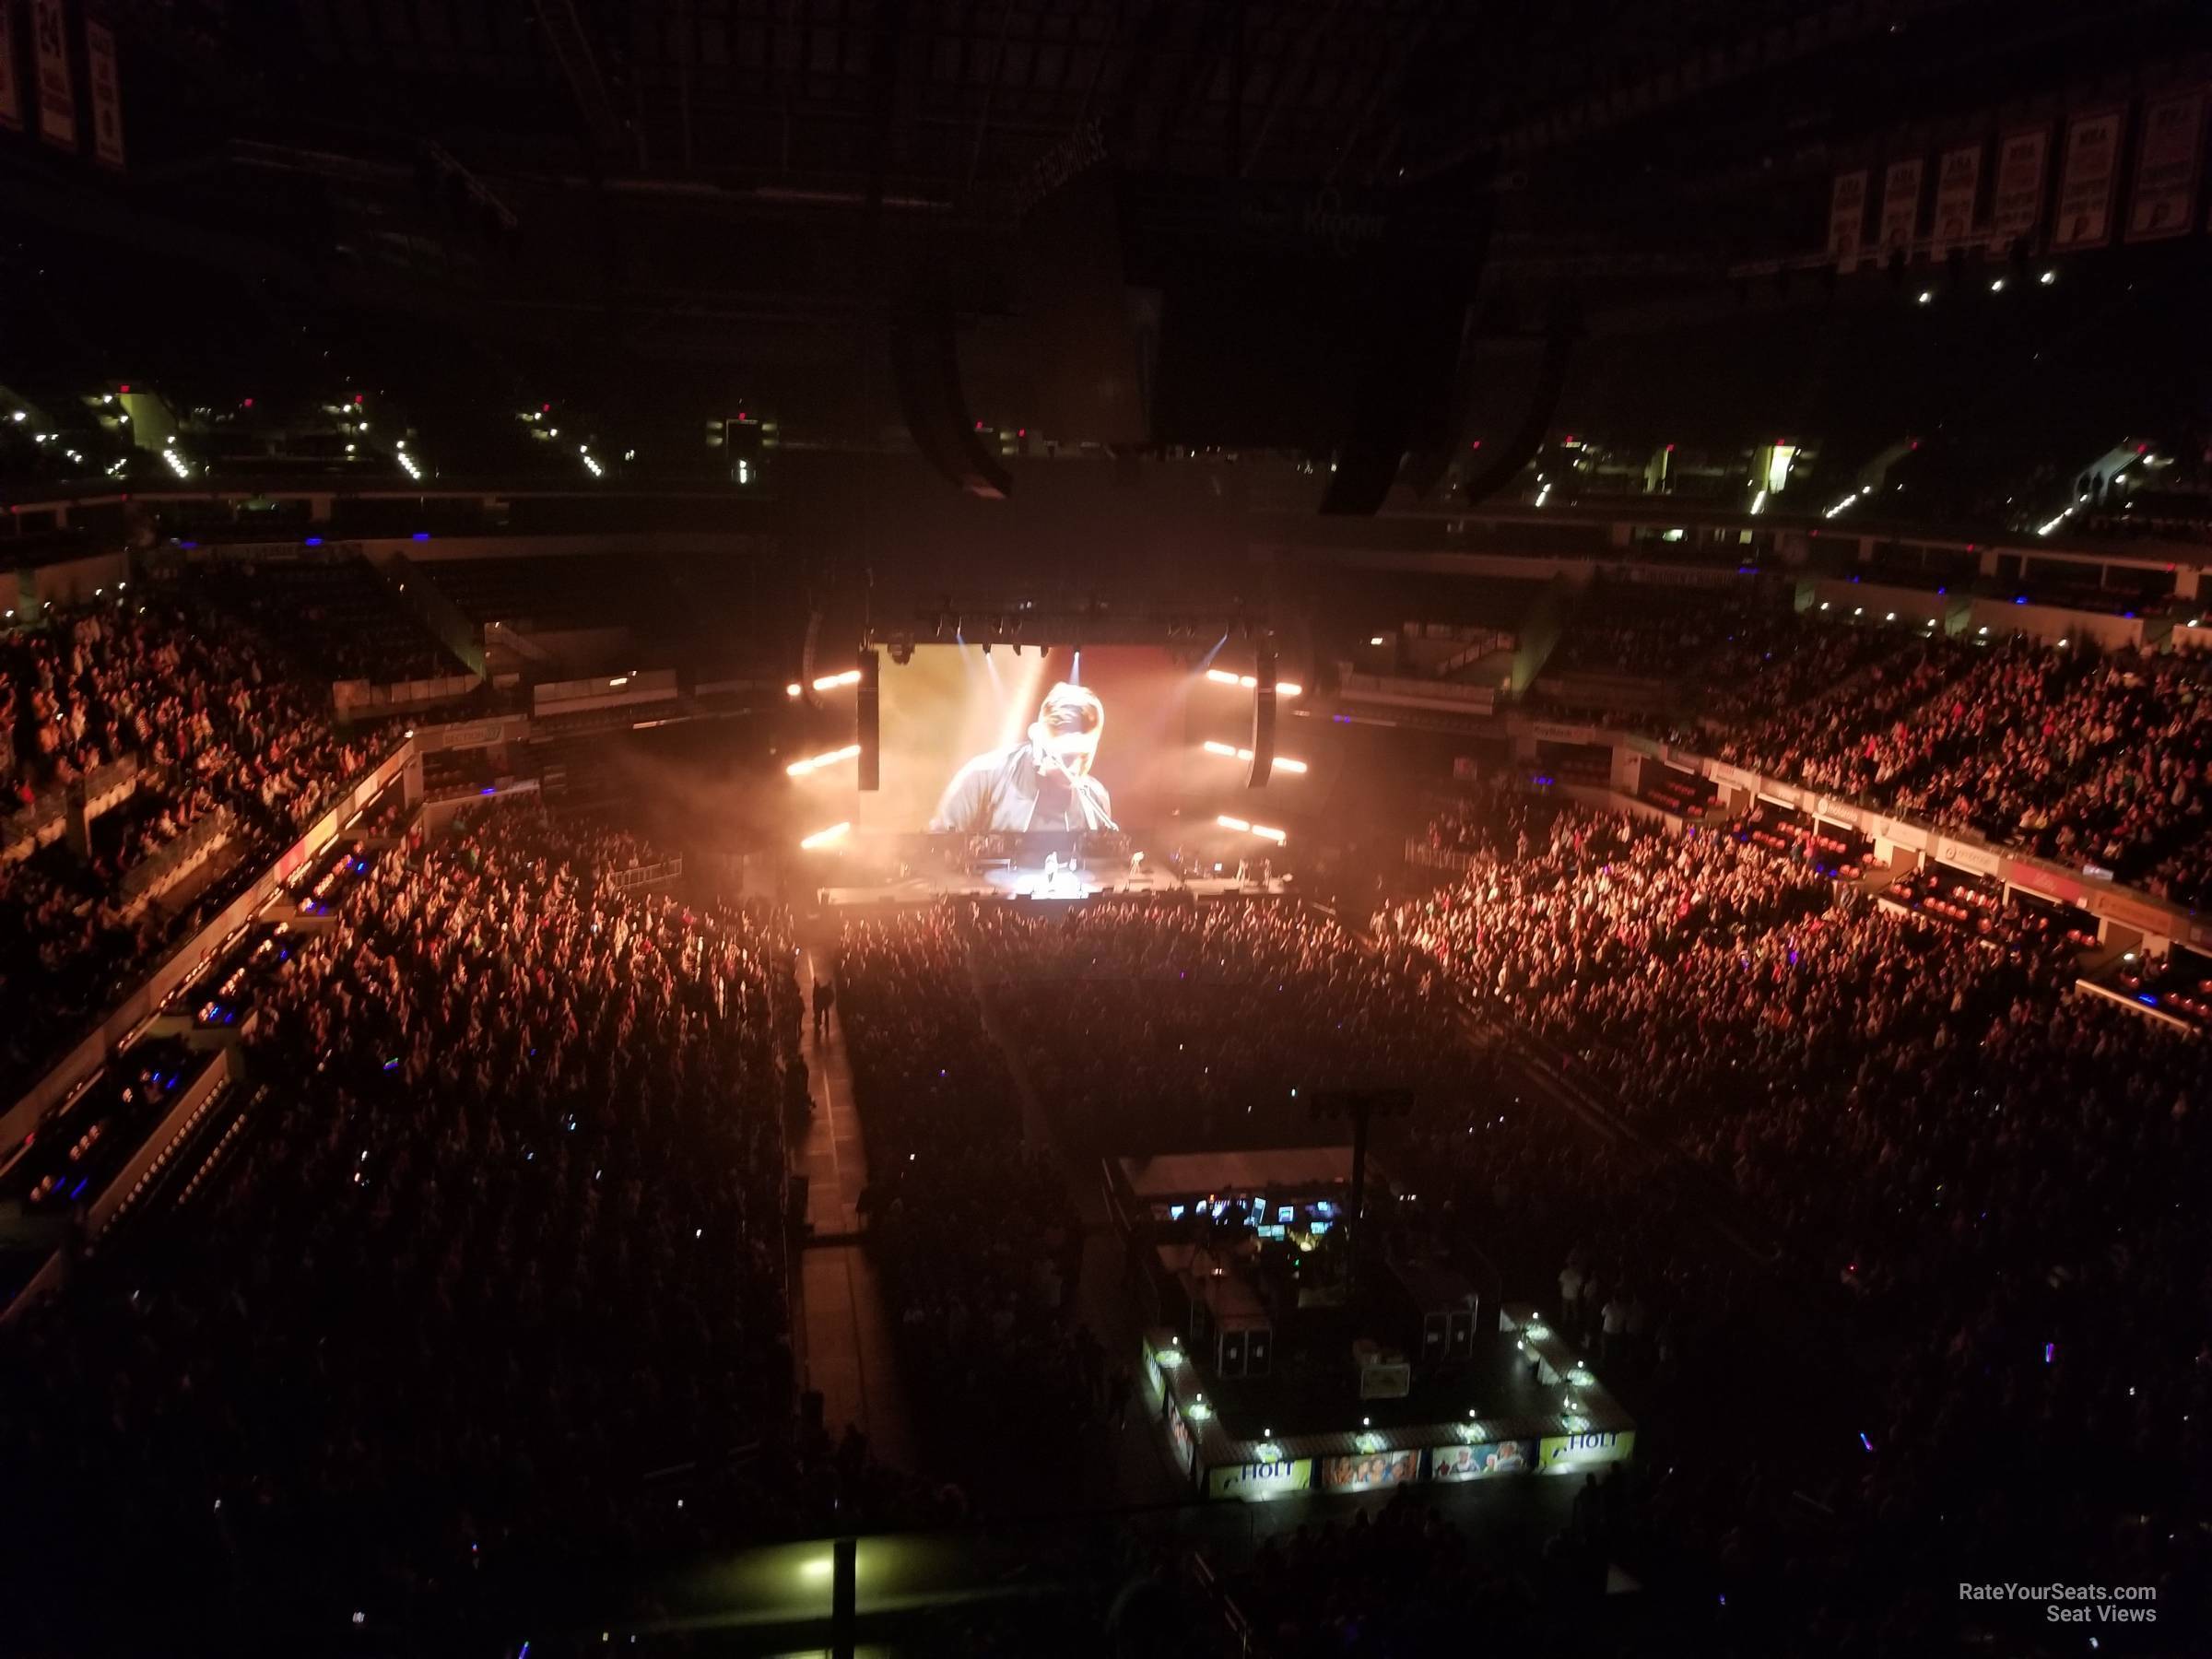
{"points": [[925, 366], [1504, 464], [867, 711], [1263, 720]]}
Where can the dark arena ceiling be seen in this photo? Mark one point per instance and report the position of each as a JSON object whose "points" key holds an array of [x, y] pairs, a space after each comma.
{"points": [[747, 194]]}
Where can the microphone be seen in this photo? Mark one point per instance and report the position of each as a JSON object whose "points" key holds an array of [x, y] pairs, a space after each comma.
{"points": [[1086, 789], [1089, 790]]}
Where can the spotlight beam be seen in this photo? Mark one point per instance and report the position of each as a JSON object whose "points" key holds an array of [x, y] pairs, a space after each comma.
{"points": [[799, 768], [1230, 752], [1222, 677]]}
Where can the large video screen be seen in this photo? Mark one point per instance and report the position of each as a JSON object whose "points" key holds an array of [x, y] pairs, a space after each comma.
{"points": [[979, 743]]}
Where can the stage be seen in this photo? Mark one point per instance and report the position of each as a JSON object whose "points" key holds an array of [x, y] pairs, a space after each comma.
{"points": [[1061, 885]]}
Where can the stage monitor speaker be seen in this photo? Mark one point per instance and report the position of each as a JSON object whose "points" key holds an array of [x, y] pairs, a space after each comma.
{"points": [[1263, 721], [869, 737]]}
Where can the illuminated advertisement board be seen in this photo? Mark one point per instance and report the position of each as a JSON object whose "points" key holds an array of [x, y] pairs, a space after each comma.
{"points": [[1179, 1436], [1368, 1471], [1257, 1482], [1483, 1461], [1586, 1451]]}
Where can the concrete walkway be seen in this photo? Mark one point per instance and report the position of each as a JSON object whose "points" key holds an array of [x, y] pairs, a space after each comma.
{"points": [[845, 1341]]}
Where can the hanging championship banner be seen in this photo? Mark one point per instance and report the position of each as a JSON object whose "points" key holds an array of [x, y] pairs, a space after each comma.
{"points": [[11, 91], [1847, 220], [2085, 180], [2168, 161], [1900, 206], [107, 95], [57, 95], [1957, 179], [2015, 206]]}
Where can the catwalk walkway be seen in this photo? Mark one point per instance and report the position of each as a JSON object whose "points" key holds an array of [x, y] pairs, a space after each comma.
{"points": [[844, 1336]]}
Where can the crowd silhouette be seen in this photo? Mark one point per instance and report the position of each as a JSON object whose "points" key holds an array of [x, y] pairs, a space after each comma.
{"points": [[217, 727]]}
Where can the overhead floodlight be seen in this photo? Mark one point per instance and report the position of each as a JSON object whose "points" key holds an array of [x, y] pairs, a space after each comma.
{"points": [[1229, 751]]}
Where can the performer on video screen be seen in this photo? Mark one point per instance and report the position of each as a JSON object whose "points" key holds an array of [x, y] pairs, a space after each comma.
{"points": [[1041, 783]]}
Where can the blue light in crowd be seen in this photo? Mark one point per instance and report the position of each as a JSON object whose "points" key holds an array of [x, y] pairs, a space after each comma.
{"points": [[2147, 1001], [1864, 1441], [2050, 1348], [422, 535], [188, 545], [2021, 600], [488, 789], [312, 541], [392, 1065]]}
